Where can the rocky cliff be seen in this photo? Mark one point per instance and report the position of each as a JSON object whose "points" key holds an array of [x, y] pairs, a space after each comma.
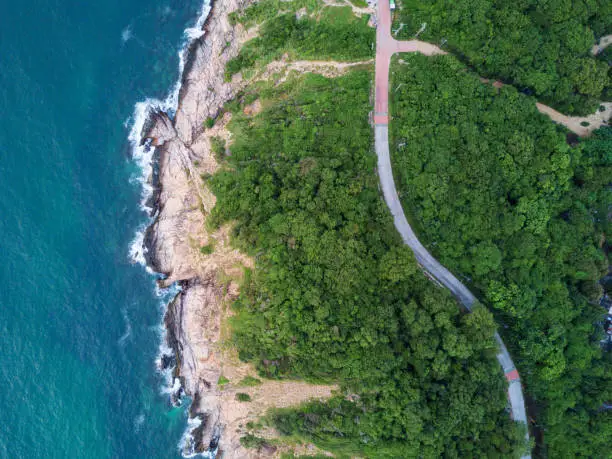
{"points": [[174, 239]]}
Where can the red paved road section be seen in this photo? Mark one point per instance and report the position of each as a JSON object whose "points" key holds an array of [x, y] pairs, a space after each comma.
{"points": [[512, 375], [381, 119], [386, 46]]}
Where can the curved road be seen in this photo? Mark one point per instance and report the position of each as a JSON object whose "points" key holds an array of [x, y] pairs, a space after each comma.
{"points": [[386, 46]]}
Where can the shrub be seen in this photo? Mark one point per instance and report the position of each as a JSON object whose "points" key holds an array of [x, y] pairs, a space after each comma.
{"points": [[207, 249], [210, 122], [251, 441], [242, 397]]}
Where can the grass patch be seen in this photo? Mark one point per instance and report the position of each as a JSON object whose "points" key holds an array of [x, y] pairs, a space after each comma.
{"points": [[336, 34], [249, 381]]}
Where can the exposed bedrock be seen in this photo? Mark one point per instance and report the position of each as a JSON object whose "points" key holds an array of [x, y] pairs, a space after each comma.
{"points": [[173, 239]]}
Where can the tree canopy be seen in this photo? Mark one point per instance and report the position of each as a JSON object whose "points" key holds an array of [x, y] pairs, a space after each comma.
{"points": [[500, 198], [336, 296], [540, 46]]}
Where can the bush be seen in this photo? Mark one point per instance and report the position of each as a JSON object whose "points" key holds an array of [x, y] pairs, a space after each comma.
{"points": [[222, 381], [210, 122], [207, 249], [242, 397], [251, 441]]}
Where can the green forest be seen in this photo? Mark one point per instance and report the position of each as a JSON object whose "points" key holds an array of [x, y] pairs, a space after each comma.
{"points": [[336, 297], [540, 46], [500, 197]]}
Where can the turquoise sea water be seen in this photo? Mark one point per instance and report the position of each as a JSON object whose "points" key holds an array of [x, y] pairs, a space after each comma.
{"points": [[80, 323]]}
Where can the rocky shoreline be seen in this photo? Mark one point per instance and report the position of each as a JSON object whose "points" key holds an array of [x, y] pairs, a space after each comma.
{"points": [[180, 203]]}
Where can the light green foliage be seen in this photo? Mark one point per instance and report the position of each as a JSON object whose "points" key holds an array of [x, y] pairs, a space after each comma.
{"points": [[335, 295], [222, 381], [335, 33], [504, 201], [263, 10], [542, 46], [249, 381]]}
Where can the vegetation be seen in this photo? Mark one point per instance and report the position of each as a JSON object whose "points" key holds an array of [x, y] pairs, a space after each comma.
{"points": [[505, 202], [251, 441], [335, 295], [333, 33], [217, 146], [207, 249], [242, 397], [249, 381], [541, 46], [222, 381], [209, 123]]}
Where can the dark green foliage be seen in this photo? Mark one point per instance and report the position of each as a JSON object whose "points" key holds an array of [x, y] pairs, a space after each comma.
{"points": [[541, 45], [242, 397], [503, 201], [207, 249], [210, 122], [251, 441], [334, 34], [335, 295]]}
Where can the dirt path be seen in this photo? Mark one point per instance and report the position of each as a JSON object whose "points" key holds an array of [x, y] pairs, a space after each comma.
{"points": [[573, 123], [603, 44], [357, 10], [329, 69], [385, 48]]}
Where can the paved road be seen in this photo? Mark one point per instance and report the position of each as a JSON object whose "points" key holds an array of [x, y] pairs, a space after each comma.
{"points": [[386, 46]]}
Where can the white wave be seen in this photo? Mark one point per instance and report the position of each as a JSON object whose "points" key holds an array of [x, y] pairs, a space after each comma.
{"points": [[165, 351], [143, 153], [128, 328], [138, 422], [138, 251], [126, 34], [187, 445]]}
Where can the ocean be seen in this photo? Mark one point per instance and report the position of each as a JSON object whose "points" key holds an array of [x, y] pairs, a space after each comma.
{"points": [[81, 321]]}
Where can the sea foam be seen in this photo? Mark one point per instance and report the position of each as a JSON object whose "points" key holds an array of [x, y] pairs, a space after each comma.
{"points": [[143, 154]]}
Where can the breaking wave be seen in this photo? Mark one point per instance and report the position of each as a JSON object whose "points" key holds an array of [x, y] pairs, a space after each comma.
{"points": [[143, 154]]}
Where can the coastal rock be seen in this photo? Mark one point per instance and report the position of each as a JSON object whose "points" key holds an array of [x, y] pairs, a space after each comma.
{"points": [[174, 239], [204, 90], [159, 128], [193, 326]]}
